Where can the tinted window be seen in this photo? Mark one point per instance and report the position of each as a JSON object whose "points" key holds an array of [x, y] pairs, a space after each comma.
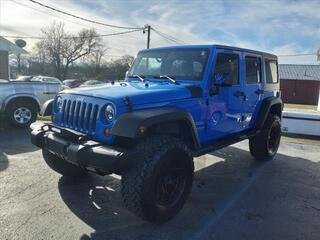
{"points": [[182, 63], [271, 71], [227, 69], [253, 70]]}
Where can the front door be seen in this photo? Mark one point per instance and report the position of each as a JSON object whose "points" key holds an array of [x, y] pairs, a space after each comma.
{"points": [[225, 103]]}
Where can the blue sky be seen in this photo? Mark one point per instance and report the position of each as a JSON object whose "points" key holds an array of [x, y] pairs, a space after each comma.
{"points": [[281, 27]]}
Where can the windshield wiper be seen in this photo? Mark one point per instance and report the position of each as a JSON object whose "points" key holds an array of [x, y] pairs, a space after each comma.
{"points": [[169, 78], [137, 76]]}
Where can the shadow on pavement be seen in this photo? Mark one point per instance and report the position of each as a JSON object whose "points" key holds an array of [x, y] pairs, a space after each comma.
{"points": [[217, 189], [14, 141], [4, 163]]}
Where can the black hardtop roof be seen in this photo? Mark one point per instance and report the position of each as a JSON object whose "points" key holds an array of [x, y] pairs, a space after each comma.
{"points": [[246, 50], [265, 54]]}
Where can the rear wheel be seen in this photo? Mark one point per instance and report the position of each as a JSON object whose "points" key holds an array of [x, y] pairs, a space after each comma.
{"points": [[61, 166], [264, 146], [158, 186], [21, 114]]}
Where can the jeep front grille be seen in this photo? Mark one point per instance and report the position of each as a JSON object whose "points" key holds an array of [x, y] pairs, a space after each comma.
{"points": [[79, 115]]}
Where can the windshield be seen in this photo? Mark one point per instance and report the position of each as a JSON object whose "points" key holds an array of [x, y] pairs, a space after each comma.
{"points": [[186, 64]]}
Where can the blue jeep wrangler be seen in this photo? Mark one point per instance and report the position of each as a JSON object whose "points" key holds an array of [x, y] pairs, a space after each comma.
{"points": [[177, 103]]}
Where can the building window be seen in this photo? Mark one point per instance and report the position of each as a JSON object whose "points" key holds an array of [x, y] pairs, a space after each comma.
{"points": [[253, 70], [227, 69], [271, 71]]}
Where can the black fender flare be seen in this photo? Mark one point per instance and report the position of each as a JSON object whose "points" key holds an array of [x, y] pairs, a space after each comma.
{"points": [[47, 108], [128, 124], [265, 108]]}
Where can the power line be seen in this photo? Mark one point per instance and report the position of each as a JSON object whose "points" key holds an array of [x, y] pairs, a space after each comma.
{"points": [[47, 13], [99, 35], [56, 16], [82, 18], [168, 37], [299, 54]]}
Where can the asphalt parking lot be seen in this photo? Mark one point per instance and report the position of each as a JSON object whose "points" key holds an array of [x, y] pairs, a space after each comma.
{"points": [[233, 197]]}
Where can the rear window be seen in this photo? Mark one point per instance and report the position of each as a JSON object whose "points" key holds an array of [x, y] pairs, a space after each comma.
{"points": [[253, 70], [271, 71]]}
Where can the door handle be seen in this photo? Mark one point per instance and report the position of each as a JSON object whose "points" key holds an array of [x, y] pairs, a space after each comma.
{"points": [[239, 94], [259, 91]]}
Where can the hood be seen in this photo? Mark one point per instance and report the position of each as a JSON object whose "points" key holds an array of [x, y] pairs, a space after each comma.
{"points": [[138, 92]]}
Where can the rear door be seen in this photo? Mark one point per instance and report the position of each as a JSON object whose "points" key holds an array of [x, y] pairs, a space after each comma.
{"points": [[253, 87]]}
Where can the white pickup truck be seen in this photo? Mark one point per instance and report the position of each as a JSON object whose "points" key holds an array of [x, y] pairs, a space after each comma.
{"points": [[21, 101]]}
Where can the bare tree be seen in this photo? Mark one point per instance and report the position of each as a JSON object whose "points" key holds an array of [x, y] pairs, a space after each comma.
{"points": [[53, 41], [39, 55], [121, 65], [79, 46], [127, 60], [62, 49], [96, 58]]}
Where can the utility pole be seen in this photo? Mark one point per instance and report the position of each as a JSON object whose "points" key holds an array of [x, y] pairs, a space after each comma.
{"points": [[148, 29]]}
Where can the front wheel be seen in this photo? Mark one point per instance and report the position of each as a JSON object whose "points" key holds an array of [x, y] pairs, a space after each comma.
{"points": [[264, 146], [158, 186], [21, 114]]}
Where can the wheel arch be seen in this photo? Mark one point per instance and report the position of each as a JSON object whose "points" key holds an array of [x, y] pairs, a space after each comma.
{"points": [[141, 123], [14, 98], [272, 105]]}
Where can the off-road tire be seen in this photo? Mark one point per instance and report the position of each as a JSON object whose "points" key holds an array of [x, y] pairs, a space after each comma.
{"points": [[61, 166], [138, 185], [260, 144], [12, 107]]}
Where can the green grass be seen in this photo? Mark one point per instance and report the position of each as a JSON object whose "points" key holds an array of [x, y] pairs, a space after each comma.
{"points": [[42, 118]]}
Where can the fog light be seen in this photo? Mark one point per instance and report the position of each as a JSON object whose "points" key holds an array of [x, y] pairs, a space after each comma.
{"points": [[107, 132]]}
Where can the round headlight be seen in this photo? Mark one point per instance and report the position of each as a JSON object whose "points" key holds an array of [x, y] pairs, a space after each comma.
{"points": [[59, 103], [110, 112]]}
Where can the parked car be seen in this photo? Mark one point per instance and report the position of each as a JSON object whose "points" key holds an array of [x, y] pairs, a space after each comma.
{"points": [[89, 83], [45, 79], [72, 83], [23, 78], [186, 102], [20, 101]]}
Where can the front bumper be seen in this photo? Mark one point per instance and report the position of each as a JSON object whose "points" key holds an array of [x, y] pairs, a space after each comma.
{"points": [[75, 148]]}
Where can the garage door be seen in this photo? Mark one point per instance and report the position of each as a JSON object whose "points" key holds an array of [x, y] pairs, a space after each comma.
{"points": [[300, 91]]}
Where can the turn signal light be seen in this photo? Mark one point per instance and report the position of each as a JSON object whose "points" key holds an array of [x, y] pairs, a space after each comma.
{"points": [[107, 132], [142, 129]]}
